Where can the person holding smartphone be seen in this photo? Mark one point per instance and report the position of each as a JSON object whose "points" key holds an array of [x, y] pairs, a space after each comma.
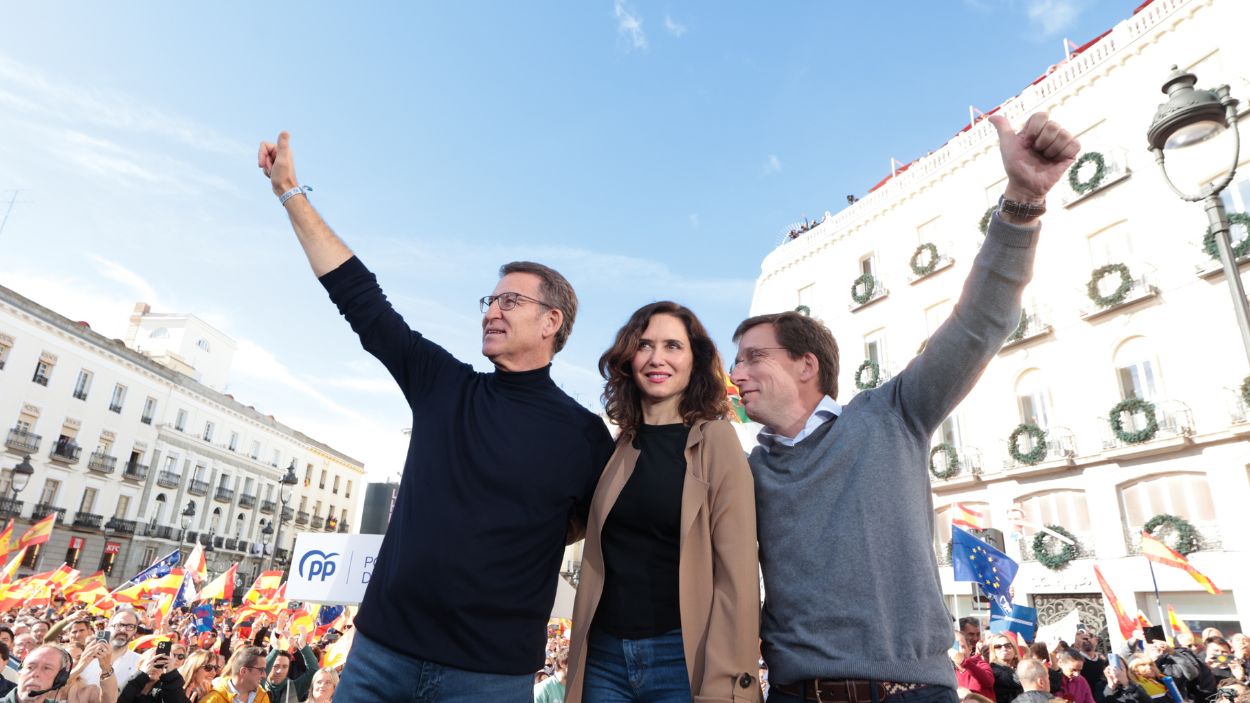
{"points": [[158, 679]]}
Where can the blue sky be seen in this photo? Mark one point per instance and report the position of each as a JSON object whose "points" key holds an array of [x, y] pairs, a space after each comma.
{"points": [[648, 150]]}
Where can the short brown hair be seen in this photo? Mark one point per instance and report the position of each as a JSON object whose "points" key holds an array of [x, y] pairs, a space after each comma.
{"points": [[703, 399], [555, 290], [246, 656], [800, 335]]}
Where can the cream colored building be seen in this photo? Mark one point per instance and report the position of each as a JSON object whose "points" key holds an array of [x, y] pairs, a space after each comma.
{"points": [[1171, 341], [124, 436]]}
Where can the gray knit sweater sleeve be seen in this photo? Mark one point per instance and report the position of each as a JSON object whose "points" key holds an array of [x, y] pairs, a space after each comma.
{"points": [[958, 352]]}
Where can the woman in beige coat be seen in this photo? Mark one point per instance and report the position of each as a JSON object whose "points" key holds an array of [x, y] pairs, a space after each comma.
{"points": [[668, 604]]}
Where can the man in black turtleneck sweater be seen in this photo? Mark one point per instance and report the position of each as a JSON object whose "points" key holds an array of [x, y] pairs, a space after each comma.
{"points": [[500, 471]]}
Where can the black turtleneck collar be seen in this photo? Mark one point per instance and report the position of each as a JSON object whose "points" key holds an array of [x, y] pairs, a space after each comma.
{"points": [[533, 378]]}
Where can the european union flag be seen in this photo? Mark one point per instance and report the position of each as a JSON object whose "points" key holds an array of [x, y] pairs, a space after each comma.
{"points": [[162, 567], [974, 560]]}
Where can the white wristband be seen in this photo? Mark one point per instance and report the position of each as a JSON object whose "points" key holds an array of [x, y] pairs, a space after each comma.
{"points": [[297, 190]]}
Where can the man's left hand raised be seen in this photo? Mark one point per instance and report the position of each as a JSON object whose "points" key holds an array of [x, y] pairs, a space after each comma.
{"points": [[1036, 157]]}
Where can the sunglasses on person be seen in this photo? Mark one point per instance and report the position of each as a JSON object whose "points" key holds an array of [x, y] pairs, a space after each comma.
{"points": [[211, 668]]}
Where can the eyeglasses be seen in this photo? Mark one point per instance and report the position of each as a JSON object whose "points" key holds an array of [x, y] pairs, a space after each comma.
{"points": [[254, 668], [211, 668], [754, 356], [509, 300], [125, 626], [1004, 645], [180, 657]]}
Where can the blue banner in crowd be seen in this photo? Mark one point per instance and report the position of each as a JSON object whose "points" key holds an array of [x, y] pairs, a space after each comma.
{"points": [[1020, 619], [203, 617], [328, 614], [974, 560], [161, 567]]}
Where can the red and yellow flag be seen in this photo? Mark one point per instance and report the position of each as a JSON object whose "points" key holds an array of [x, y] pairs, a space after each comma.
{"points": [[12, 566], [38, 533], [166, 585], [197, 565], [1178, 626], [89, 583], [6, 540], [263, 590], [963, 516], [222, 587], [736, 412], [1160, 553], [132, 594], [1126, 623], [336, 653]]}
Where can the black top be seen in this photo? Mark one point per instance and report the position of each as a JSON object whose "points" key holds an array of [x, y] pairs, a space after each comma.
{"points": [[497, 464], [1006, 684], [1093, 670], [642, 540]]}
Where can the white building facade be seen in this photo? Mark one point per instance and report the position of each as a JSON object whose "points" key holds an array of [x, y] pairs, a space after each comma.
{"points": [[1168, 338], [127, 450]]}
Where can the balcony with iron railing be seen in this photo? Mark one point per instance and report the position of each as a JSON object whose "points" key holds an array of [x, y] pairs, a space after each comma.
{"points": [[41, 379], [1084, 546], [10, 508], [223, 494], [301, 518], [1141, 286], [318, 522], [159, 531], [43, 510], [946, 468], [231, 544], [247, 500], [281, 555], [169, 479], [1238, 409], [66, 452], [80, 394], [268, 506], [1060, 445], [869, 295], [331, 523], [197, 487], [1034, 324], [102, 463], [1172, 419], [136, 472], [120, 526], [20, 440], [1206, 534], [89, 521], [344, 528]]}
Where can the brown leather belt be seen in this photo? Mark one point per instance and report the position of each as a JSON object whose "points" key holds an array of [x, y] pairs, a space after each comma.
{"points": [[845, 690]]}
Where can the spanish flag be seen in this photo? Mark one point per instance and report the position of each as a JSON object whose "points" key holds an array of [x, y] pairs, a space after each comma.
{"points": [[166, 585], [1160, 553], [734, 398], [336, 653], [6, 540], [963, 516], [263, 590], [89, 583], [38, 532], [1178, 626], [12, 566], [1126, 623], [222, 587], [131, 595]]}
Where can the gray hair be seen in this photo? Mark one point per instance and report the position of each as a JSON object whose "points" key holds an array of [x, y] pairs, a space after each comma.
{"points": [[555, 290]]}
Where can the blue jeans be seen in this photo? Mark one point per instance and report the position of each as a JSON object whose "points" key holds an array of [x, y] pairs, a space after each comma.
{"points": [[929, 694], [377, 674], [651, 670]]}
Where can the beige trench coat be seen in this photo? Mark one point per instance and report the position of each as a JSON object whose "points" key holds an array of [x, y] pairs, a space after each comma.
{"points": [[718, 567]]}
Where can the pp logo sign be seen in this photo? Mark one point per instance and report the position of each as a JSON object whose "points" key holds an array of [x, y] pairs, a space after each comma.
{"points": [[317, 564]]}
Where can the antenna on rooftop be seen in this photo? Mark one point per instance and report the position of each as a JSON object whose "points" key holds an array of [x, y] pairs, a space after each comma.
{"points": [[8, 210]]}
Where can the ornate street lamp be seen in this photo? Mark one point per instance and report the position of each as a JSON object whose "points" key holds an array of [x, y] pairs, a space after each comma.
{"points": [[1192, 116], [286, 488], [187, 516], [21, 477]]}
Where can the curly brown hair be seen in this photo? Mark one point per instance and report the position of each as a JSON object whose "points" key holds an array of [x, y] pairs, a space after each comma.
{"points": [[703, 399]]}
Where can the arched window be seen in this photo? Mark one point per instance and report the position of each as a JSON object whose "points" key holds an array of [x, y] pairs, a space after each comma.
{"points": [[215, 521], [158, 515], [1137, 370], [1186, 495], [1033, 399], [1066, 508], [238, 525]]}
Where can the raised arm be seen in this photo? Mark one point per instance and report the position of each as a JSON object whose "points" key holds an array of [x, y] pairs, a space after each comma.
{"points": [[1035, 158], [324, 249]]}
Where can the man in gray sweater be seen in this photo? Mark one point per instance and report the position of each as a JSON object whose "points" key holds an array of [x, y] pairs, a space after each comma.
{"points": [[853, 611]]}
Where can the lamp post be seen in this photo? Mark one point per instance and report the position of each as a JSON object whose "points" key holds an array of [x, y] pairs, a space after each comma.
{"points": [[1192, 116], [187, 516], [286, 487], [21, 477], [266, 538]]}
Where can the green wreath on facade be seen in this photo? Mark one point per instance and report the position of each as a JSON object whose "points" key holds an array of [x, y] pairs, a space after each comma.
{"points": [[1119, 294], [1133, 405], [1100, 171], [873, 381], [1186, 535], [1245, 391], [1021, 328], [1240, 249], [804, 311], [924, 269], [1054, 560], [952, 461], [1039, 444], [868, 284], [985, 219]]}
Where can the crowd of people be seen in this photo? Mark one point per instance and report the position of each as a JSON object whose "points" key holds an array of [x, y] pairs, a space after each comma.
{"points": [[1147, 668], [66, 652]]}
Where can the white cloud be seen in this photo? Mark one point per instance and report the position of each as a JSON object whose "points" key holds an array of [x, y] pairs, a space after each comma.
{"points": [[1054, 16], [629, 25], [773, 165], [361, 384], [144, 291], [673, 26]]}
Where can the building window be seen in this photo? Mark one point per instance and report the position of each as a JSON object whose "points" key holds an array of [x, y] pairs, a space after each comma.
{"points": [[322, 483], [149, 555], [234, 442], [949, 432], [336, 485], [123, 507], [51, 488], [32, 556], [1184, 495], [180, 422], [1236, 198], [5, 346], [149, 410], [158, 517], [308, 475], [160, 333], [1067, 508], [43, 371], [868, 264], [208, 431], [348, 494], [255, 451], [275, 458], [82, 385], [203, 344], [74, 551], [119, 397], [1032, 399], [109, 557], [87, 504], [874, 349], [1136, 370]]}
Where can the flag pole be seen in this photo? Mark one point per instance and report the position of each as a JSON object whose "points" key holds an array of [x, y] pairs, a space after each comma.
{"points": [[1158, 600]]}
